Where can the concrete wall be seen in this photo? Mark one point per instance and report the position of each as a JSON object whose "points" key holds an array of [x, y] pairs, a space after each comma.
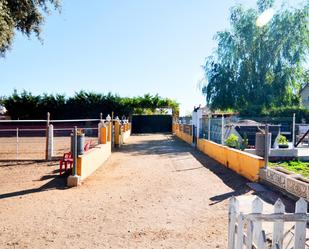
{"points": [[241, 162], [183, 136], [93, 159]]}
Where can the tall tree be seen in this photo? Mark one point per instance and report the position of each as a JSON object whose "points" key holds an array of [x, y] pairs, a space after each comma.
{"points": [[25, 16], [259, 67]]}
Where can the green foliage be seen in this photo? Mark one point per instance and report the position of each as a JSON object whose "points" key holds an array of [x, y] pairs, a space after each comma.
{"points": [[300, 112], [25, 16], [83, 104], [256, 68], [282, 140], [232, 141], [297, 167]]}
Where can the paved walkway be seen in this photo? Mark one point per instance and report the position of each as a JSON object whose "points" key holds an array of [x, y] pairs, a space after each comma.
{"points": [[154, 192]]}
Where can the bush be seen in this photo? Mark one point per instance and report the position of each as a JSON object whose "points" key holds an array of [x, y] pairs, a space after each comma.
{"points": [[232, 141], [282, 140]]}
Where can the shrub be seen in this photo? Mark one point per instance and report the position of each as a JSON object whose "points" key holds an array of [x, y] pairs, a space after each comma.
{"points": [[282, 140], [232, 141]]}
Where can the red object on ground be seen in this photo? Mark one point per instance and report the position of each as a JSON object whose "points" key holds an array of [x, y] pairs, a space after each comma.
{"points": [[67, 158]]}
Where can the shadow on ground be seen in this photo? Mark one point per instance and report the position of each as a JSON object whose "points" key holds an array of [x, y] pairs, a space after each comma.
{"points": [[56, 182], [171, 147]]}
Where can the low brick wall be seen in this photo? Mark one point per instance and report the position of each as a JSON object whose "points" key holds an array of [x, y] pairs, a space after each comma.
{"points": [[93, 159], [241, 162], [184, 136]]}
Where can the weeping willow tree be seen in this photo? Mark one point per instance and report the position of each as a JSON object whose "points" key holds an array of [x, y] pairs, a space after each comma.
{"points": [[259, 67], [26, 16]]}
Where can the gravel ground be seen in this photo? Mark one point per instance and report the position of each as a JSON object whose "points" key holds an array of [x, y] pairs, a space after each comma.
{"points": [[154, 192]]}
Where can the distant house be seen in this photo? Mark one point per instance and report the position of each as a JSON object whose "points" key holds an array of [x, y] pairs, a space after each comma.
{"points": [[304, 95]]}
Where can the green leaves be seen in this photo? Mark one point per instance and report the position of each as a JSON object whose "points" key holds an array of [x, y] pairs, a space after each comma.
{"points": [[23, 15], [259, 67], [83, 105]]}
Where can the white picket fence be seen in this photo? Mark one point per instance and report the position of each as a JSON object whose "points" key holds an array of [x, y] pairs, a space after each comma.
{"points": [[245, 230]]}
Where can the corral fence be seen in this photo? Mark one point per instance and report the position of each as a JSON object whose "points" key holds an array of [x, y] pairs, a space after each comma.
{"points": [[248, 230], [44, 139]]}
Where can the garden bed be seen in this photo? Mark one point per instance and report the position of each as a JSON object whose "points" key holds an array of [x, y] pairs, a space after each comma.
{"points": [[296, 167]]}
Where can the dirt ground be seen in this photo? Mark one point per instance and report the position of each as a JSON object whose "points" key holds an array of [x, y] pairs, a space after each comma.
{"points": [[154, 192]]}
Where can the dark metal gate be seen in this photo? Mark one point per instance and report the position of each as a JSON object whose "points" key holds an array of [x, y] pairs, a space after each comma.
{"points": [[151, 123]]}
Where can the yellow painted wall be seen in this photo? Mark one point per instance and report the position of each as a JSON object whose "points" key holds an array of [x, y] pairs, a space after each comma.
{"points": [[243, 163], [184, 136], [93, 159]]}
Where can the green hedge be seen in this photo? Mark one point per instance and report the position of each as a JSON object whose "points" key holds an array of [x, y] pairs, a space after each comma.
{"points": [[83, 104]]}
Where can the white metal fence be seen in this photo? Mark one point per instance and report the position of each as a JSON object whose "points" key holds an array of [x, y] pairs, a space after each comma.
{"points": [[41, 139], [246, 230]]}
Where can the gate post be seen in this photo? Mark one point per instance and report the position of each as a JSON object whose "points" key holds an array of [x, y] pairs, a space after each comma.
{"points": [[116, 134], [50, 142]]}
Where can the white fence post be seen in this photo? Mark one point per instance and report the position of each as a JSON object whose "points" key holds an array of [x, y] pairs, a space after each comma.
{"points": [[240, 232], [249, 234], [257, 208], [255, 237], [278, 225], [233, 211], [50, 142], [300, 226]]}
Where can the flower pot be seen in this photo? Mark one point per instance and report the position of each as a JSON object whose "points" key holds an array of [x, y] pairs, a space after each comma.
{"points": [[283, 146]]}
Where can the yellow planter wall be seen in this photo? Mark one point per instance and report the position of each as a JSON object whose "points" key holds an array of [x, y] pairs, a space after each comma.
{"points": [[93, 159], [243, 163]]}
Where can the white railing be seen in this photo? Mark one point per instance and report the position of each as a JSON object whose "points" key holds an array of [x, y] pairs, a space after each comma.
{"points": [[246, 230]]}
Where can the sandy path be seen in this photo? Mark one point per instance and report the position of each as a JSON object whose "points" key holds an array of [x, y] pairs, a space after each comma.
{"points": [[155, 192]]}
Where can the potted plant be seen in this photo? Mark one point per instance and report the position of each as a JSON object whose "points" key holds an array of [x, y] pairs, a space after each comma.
{"points": [[232, 141], [283, 142]]}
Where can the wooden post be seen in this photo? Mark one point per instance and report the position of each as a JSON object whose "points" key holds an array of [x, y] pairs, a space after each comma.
{"points": [[233, 211], [240, 231], [279, 208], [257, 208], [300, 226]]}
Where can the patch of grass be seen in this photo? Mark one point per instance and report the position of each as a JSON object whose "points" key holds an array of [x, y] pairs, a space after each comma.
{"points": [[297, 167]]}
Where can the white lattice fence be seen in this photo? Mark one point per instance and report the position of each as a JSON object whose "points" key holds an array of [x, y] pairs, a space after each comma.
{"points": [[246, 230]]}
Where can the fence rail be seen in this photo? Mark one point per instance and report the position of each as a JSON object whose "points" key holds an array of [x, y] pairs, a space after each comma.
{"points": [[246, 230]]}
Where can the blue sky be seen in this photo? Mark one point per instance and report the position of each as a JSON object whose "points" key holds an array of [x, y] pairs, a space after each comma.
{"points": [[126, 47]]}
